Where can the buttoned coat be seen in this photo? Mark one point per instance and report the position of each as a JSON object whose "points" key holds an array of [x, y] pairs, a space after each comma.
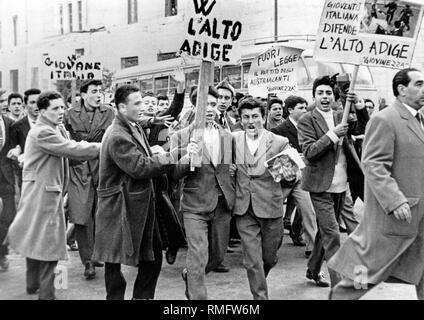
{"points": [[393, 162], [38, 231], [84, 176], [125, 216], [260, 188], [7, 184]]}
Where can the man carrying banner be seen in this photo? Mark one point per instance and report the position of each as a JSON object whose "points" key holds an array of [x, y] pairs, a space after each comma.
{"points": [[389, 242]]}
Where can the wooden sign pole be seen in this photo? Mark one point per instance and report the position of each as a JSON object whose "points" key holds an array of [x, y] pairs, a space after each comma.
{"points": [[205, 80], [73, 92]]}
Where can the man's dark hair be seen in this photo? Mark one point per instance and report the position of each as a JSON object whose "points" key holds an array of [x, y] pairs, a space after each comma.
{"points": [[30, 92], [148, 94], [14, 95], [69, 98], [162, 97], [122, 93], [248, 102], [86, 84], [292, 101], [369, 100], [43, 101], [193, 95], [325, 80], [403, 78], [273, 100]]}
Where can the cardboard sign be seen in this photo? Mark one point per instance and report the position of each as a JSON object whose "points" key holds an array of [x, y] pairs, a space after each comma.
{"points": [[72, 67], [274, 71], [214, 29], [369, 32]]}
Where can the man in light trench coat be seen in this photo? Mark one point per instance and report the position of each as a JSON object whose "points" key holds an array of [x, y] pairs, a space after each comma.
{"points": [[38, 231], [389, 242]]}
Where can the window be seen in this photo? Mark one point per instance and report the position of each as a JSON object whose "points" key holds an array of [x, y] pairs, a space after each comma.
{"points": [[132, 11], [171, 8], [61, 19], [35, 77], [146, 85], [80, 15], [246, 69], [15, 30], [161, 86], [71, 28], [233, 74], [192, 79], [216, 76], [129, 62], [14, 80]]}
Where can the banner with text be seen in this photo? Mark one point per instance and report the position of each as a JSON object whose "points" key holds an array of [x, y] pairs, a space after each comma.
{"points": [[72, 67], [274, 71], [214, 29], [369, 32]]}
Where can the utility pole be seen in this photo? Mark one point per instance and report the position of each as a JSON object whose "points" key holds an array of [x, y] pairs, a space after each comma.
{"points": [[275, 20]]}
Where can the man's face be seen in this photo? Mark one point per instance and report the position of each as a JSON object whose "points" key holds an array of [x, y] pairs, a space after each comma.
{"points": [[133, 108], [55, 111], [224, 99], [211, 109], [414, 92], [150, 105], [252, 122], [298, 111], [93, 97], [15, 106], [276, 111], [370, 107], [162, 105], [324, 97], [3, 104], [31, 106]]}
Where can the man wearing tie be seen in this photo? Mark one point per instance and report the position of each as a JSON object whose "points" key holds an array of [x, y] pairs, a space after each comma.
{"points": [[226, 94], [388, 244]]}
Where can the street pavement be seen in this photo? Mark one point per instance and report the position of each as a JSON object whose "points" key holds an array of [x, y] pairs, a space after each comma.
{"points": [[286, 280]]}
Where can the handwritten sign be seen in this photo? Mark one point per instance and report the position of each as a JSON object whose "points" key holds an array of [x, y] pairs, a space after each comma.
{"points": [[359, 32], [274, 72], [72, 67], [213, 30]]}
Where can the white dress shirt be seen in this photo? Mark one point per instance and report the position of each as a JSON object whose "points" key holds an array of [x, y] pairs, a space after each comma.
{"points": [[212, 143], [253, 144], [414, 113]]}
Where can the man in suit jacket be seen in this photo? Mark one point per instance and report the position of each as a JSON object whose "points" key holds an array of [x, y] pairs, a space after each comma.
{"points": [[207, 200], [329, 167], [21, 128], [7, 186], [389, 242], [86, 121], [259, 199], [126, 225], [305, 214], [38, 231]]}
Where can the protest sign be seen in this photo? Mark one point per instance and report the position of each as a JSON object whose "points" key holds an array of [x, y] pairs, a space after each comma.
{"points": [[369, 32], [72, 67], [274, 72], [213, 29]]}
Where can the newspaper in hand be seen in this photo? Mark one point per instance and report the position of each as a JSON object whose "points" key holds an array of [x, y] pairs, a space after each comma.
{"points": [[289, 159]]}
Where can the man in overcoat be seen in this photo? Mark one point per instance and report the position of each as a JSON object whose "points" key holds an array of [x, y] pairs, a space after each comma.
{"points": [[388, 244], [126, 226], [38, 231], [86, 121]]}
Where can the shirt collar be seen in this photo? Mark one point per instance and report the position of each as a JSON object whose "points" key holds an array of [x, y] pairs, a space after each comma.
{"points": [[255, 140], [293, 121], [327, 114], [411, 110]]}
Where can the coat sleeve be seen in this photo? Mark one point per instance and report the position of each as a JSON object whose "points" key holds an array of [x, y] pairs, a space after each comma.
{"points": [[378, 150], [313, 148], [130, 159], [53, 143], [176, 106]]}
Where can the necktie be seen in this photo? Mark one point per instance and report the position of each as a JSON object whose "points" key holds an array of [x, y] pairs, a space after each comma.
{"points": [[420, 119], [221, 119], [1, 137]]}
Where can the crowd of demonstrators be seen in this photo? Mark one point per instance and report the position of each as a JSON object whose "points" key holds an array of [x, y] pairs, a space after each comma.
{"points": [[138, 195]]}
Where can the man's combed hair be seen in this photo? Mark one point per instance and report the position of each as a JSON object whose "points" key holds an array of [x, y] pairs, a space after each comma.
{"points": [[162, 97], [86, 84], [122, 93], [326, 81], [14, 95], [30, 92], [193, 94], [403, 78], [43, 101], [248, 102], [292, 101], [148, 94]]}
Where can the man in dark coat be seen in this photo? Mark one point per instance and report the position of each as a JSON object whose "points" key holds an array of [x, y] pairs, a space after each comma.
{"points": [[86, 121], [126, 226]]}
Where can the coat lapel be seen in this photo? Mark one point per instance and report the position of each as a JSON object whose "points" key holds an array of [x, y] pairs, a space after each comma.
{"points": [[320, 121], [264, 148], [413, 124]]}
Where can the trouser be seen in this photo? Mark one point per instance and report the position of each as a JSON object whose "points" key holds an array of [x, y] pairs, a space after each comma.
{"points": [[261, 238], [305, 214], [85, 239], [6, 218], [40, 274], [207, 239], [145, 283], [347, 213], [327, 241]]}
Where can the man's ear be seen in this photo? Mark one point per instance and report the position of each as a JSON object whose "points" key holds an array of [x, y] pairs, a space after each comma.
{"points": [[121, 107], [401, 89]]}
